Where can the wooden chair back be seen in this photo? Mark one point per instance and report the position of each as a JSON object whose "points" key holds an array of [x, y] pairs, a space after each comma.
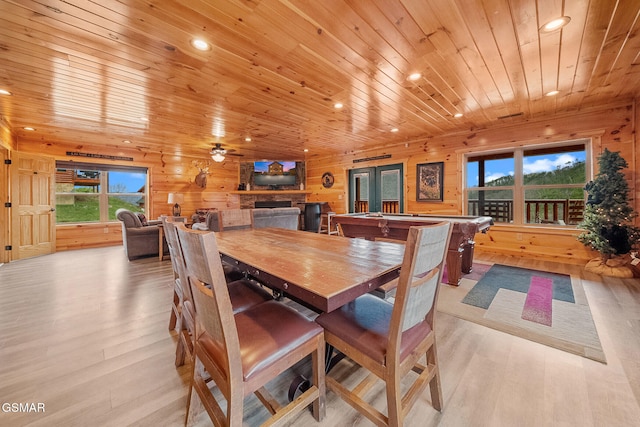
{"points": [[176, 305], [418, 284], [234, 219], [177, 259], [182, 292], [211, 301]]}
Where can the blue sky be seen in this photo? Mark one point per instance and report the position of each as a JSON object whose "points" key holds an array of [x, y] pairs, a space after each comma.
{"points": [[132, 180], [495, 169]]}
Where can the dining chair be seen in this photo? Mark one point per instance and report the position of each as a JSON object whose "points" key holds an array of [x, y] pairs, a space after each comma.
{"points": [[390, 339], [240, 352], [234, 219], [244, 293], [178, 291]]}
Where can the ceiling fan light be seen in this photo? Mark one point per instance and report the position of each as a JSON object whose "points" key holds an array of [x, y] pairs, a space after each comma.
{"points": [[217, 157]]}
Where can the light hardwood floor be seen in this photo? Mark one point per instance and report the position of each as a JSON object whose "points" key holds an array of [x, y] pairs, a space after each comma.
{"points": [[85, 333]]}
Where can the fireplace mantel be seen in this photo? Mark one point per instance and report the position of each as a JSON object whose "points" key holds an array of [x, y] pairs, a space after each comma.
{"points": [[274, 192], [248, 198]]}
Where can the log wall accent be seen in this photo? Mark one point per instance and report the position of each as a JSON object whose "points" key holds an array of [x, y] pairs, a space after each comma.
{"points": [[611, 127]]}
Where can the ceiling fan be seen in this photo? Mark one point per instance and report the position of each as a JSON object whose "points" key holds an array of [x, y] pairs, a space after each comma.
{"points": [[218, 153]]}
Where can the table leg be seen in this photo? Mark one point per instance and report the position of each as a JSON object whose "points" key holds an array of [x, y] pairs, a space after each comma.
{"points": [[454, 266], [467, 256]]}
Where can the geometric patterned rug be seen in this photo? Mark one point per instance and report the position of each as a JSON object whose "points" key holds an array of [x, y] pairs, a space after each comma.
{"points": [[547, 308]]}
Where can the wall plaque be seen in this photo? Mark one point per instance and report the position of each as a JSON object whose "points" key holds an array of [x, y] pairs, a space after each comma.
{"points": [[366, 159], [98, 156]]}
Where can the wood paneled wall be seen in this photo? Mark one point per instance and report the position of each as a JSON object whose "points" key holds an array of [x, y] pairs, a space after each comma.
{"points": [[166, 174], [612, 127]]}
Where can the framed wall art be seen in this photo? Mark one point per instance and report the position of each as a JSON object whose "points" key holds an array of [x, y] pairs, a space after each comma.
{"points": [[429, 185]]}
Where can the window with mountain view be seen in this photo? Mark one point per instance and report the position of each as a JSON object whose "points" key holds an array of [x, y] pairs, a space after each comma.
{"points": [[529, 185], [93, 193]]}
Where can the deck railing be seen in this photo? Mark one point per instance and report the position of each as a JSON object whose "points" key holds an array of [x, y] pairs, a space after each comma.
{"points": [[544, 211], [70, 176], [387, 206]]}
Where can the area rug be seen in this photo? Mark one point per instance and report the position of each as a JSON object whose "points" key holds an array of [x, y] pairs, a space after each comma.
{"points": [[547, 308]]}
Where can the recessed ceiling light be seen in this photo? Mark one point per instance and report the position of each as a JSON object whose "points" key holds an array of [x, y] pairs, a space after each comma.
{"points": [[29, 128], [5, 92], [414, 76], [248, 139], [306, 150], [394, 129], [126, 141], [457, 115], [338, 105], [552, 93], [200, 44], [555, 24]]}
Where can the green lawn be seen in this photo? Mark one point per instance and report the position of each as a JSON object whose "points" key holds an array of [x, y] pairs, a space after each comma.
{"points": [[86, 209]]}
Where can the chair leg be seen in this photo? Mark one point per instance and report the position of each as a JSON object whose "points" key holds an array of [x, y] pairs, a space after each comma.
{"points": [[182, 347], [434, 384], [394, 401], [175, 311], [318, 362], [180, 352], [189, 395]]}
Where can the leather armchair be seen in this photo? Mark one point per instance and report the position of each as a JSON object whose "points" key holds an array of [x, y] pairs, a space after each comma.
{"points": [[139, 240]]}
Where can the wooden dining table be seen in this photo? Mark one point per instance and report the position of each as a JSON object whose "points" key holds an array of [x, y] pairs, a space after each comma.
{"points": [[322, 271]]}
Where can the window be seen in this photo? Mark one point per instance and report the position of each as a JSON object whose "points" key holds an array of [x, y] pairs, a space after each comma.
{"points": [[93, 192], [529, 185]]}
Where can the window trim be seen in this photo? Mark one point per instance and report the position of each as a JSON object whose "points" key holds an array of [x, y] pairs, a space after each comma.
{"points": [[519, 187], [104, 194]]}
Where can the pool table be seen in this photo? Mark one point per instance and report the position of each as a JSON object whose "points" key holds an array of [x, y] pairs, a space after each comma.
{"points": [[373, 226]]}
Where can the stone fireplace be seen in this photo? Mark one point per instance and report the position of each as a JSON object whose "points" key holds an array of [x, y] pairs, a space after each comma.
{"points": [[285, 199], [272, 204]]}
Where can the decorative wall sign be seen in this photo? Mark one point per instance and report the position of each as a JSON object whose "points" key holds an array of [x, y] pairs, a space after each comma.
{"points": [[98, 156], [429, 185], [366, 159], [327, 180]]}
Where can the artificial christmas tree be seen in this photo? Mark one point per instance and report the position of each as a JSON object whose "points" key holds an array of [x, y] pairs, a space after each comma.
{"points": [[608, 218]]}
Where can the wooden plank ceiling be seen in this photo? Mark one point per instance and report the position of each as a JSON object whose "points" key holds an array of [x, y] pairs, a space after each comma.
{"points": [[97, 73]]}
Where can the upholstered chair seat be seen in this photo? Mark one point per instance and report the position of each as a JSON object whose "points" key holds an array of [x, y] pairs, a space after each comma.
{"points": [[364, 324]]}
